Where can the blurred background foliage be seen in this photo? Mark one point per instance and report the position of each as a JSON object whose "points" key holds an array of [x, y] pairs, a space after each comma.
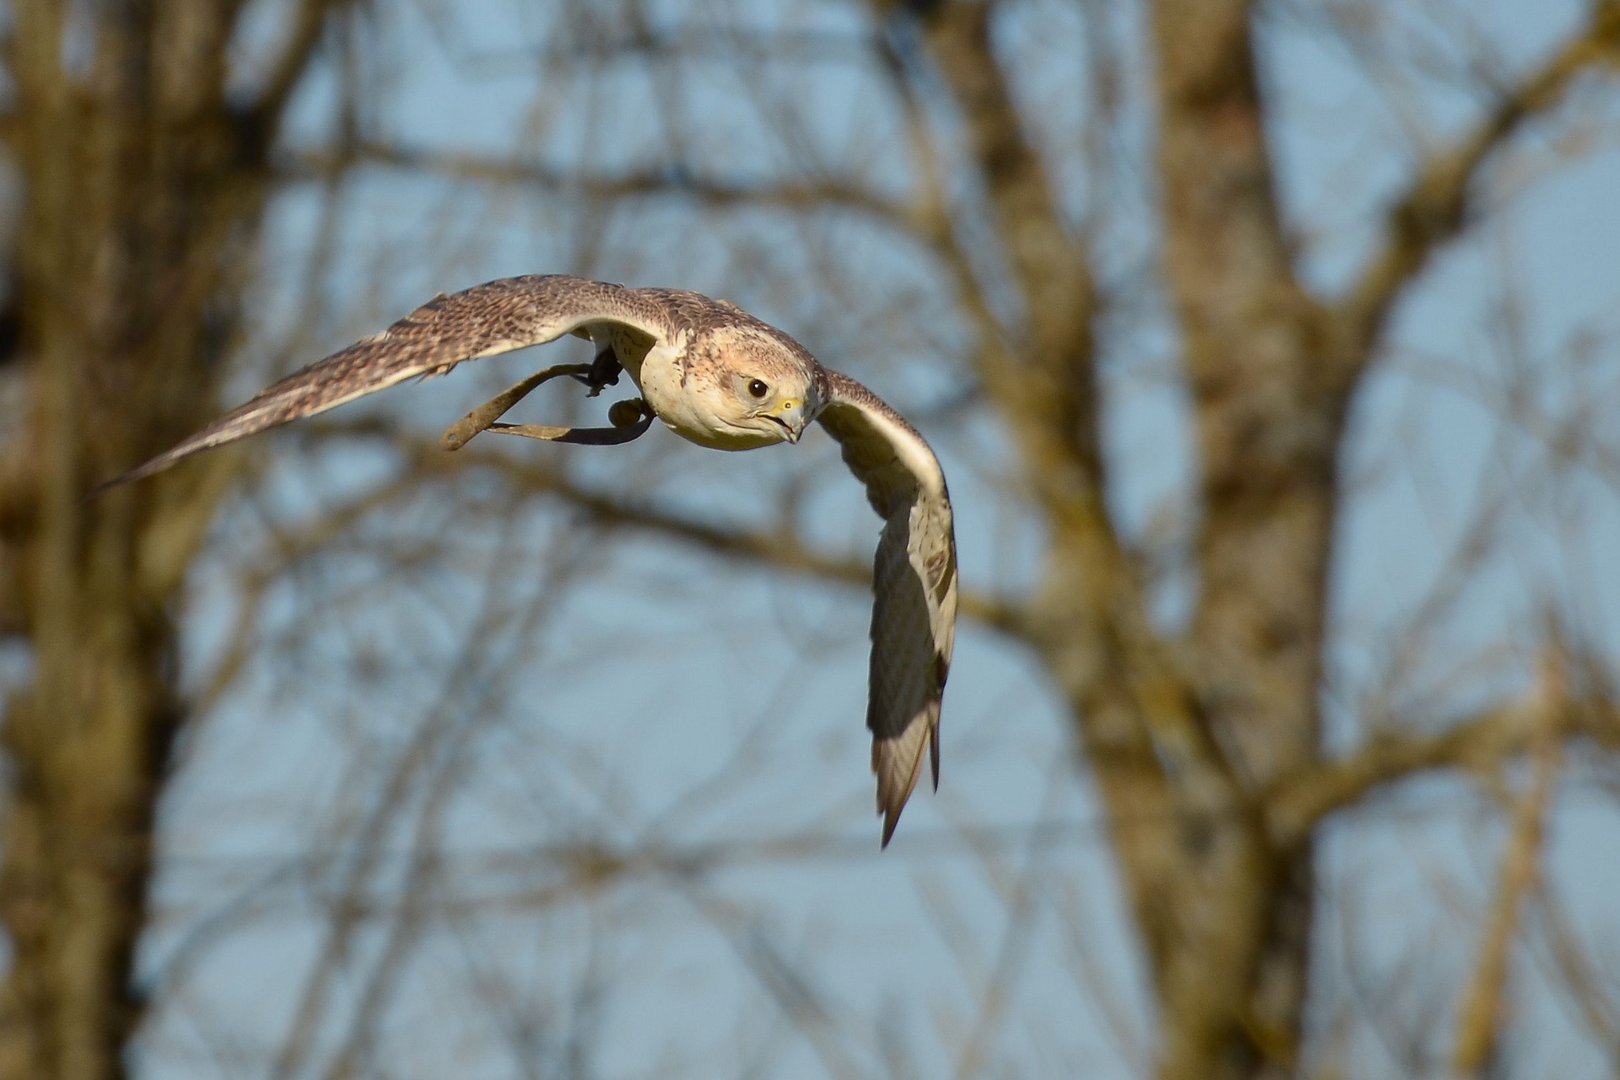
{"points": [[1270, 349]]}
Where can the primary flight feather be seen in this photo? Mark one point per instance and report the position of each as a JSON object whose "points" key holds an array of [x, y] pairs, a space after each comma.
{"points": [[721, 378]]}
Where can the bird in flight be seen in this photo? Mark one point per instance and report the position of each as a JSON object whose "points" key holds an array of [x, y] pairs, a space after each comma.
{"points": [[716, 376]]}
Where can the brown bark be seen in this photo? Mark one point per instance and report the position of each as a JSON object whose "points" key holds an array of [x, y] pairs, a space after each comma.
{"points": [[142, 188], [1176, 751], [1197, 743], [1268, 433]]}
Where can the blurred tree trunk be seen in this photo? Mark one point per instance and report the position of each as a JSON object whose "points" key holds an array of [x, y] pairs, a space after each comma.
{"points": [[141, 189], [142, 186], [1182, 735], [1201, 740]]}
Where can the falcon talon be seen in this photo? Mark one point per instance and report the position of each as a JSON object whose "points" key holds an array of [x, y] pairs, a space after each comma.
{"points": [[628, 413], [603, 372], [483, 418], [578, 436], [717, 377]]}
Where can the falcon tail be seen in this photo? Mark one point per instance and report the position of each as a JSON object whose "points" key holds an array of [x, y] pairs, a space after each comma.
{"points": [[898, 764]]}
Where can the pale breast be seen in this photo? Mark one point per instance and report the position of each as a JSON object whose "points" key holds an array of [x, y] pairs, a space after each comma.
{"points": [[685, 396]]}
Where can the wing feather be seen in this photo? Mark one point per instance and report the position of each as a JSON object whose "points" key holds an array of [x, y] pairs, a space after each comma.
{"points": [[485, 320], [914, 586]]}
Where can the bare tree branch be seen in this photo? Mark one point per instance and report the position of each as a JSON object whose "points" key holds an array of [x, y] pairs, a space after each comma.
{"points": [[310, 20], [1051, 387], [1089, 617], [938, 137], [1481, 1020], [783, 550], [1439, 204], [1580, 971], [1482, 742], [670, 182]]}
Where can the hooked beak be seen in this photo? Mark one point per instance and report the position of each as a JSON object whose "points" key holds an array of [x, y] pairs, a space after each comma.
{"points": [[790, 416]]}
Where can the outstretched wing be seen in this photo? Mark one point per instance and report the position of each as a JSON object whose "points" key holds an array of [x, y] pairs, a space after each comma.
{"points": [[914, 581], [495, 317]]}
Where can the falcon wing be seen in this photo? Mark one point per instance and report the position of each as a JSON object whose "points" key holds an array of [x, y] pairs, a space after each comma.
{"points": [[485, 320], [914, 579]]}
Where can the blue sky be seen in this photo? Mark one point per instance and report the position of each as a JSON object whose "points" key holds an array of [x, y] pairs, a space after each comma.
{"points": [[637, 690]]}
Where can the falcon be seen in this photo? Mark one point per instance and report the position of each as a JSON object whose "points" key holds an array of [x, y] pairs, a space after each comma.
{"points": [[718, 377]]}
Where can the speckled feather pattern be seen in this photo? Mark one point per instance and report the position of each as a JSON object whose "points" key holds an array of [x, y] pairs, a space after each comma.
{"points": [[701, 343], [914, 585]]}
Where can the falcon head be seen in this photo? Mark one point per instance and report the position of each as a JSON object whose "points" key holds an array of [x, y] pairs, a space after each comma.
{"points": [[774, 404], [759, 392]]}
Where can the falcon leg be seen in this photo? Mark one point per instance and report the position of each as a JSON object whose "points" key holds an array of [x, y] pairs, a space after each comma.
{"points": [[604, 372], [631, 419], [462, 431]]}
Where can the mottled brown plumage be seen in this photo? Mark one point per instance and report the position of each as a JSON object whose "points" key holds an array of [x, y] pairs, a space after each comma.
{"points": [[723, 379]]}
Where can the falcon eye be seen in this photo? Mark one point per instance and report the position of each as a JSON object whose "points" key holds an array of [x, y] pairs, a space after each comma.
{"points": [[758, 388]]}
